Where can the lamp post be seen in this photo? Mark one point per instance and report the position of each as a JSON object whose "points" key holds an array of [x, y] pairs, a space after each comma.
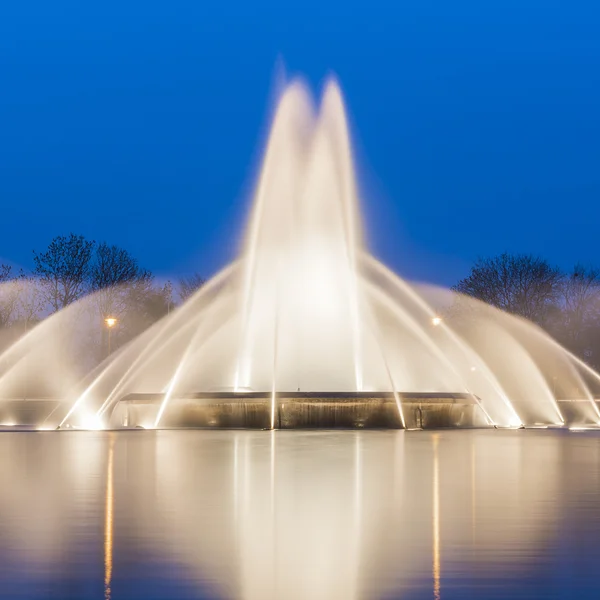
{"points": [[110, 323]]}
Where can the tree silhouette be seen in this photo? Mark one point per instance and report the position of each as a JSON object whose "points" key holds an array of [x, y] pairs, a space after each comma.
{"points": [[112, 273], [578, 324], [64, 269], [521, 284], [188, 285]]}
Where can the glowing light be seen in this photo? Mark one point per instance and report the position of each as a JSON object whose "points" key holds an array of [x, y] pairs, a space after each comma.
{"points": [[74, 407], [9, 424], [110, 321], [435, 321], [92, 422]]}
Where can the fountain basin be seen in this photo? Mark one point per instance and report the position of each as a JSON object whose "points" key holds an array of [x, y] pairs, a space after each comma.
{"points": [[298, 410]]}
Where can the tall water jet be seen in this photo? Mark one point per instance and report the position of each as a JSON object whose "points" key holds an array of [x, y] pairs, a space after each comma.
{"points": [[299, 288]]}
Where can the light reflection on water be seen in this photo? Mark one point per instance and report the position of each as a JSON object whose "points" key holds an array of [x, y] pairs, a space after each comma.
{"points": [[109, 520], [295, 515], [436, 518]]}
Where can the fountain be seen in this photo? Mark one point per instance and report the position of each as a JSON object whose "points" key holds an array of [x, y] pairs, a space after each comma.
{"points": [[307, 329]]}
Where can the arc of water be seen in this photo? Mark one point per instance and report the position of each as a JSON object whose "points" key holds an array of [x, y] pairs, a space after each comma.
{"points": [[461, 343], [591, 372], [169, 392], [553, 343], [554, 402], [182, 363], [413, 326], [104, 373], [534, 330], [163, 329], [167, 332], [377, 335], [22, 341], [41, 329], [440, 355]]}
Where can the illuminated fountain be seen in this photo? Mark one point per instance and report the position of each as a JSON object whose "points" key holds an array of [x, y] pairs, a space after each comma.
{"points": [[307, 328]]}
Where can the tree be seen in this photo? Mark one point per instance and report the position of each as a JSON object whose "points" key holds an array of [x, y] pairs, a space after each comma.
{"points": [[20, 304], [521, 284], [64, 269], [30, 299], [113, 274], [9, 296], [113, 271], [146, 304], [5, 273], [188, 285], [157, 303], [578, 324]]}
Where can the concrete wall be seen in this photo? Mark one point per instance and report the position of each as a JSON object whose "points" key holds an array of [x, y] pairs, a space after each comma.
{"points": [[317, 411]]}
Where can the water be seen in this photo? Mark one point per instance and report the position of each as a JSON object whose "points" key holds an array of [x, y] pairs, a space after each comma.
{"points": [[297, 515]]}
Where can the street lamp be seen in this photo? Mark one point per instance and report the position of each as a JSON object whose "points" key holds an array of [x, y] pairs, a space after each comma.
{"points": [[435, 321], [110, 323]]}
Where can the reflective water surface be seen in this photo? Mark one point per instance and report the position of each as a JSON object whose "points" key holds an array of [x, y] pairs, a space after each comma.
{"points": [[299, 515]]}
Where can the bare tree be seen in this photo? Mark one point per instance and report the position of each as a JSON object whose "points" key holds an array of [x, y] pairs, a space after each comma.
{"points": [[147, 303], [64, 269], [521, 284], [31, 300], [578, 324], [113, 271], [167, 292], [5, 273], [9, 296], [188, 285]]}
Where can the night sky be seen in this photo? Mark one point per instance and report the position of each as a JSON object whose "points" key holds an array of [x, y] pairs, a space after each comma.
{"points": [[476, 124]]}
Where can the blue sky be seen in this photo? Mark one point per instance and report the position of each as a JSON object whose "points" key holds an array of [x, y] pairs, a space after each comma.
{"points": [[476, 124]]}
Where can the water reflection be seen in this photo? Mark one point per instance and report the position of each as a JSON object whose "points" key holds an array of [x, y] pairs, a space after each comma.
{"points": [[108, 526], [295, 515], [436, 519]]}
